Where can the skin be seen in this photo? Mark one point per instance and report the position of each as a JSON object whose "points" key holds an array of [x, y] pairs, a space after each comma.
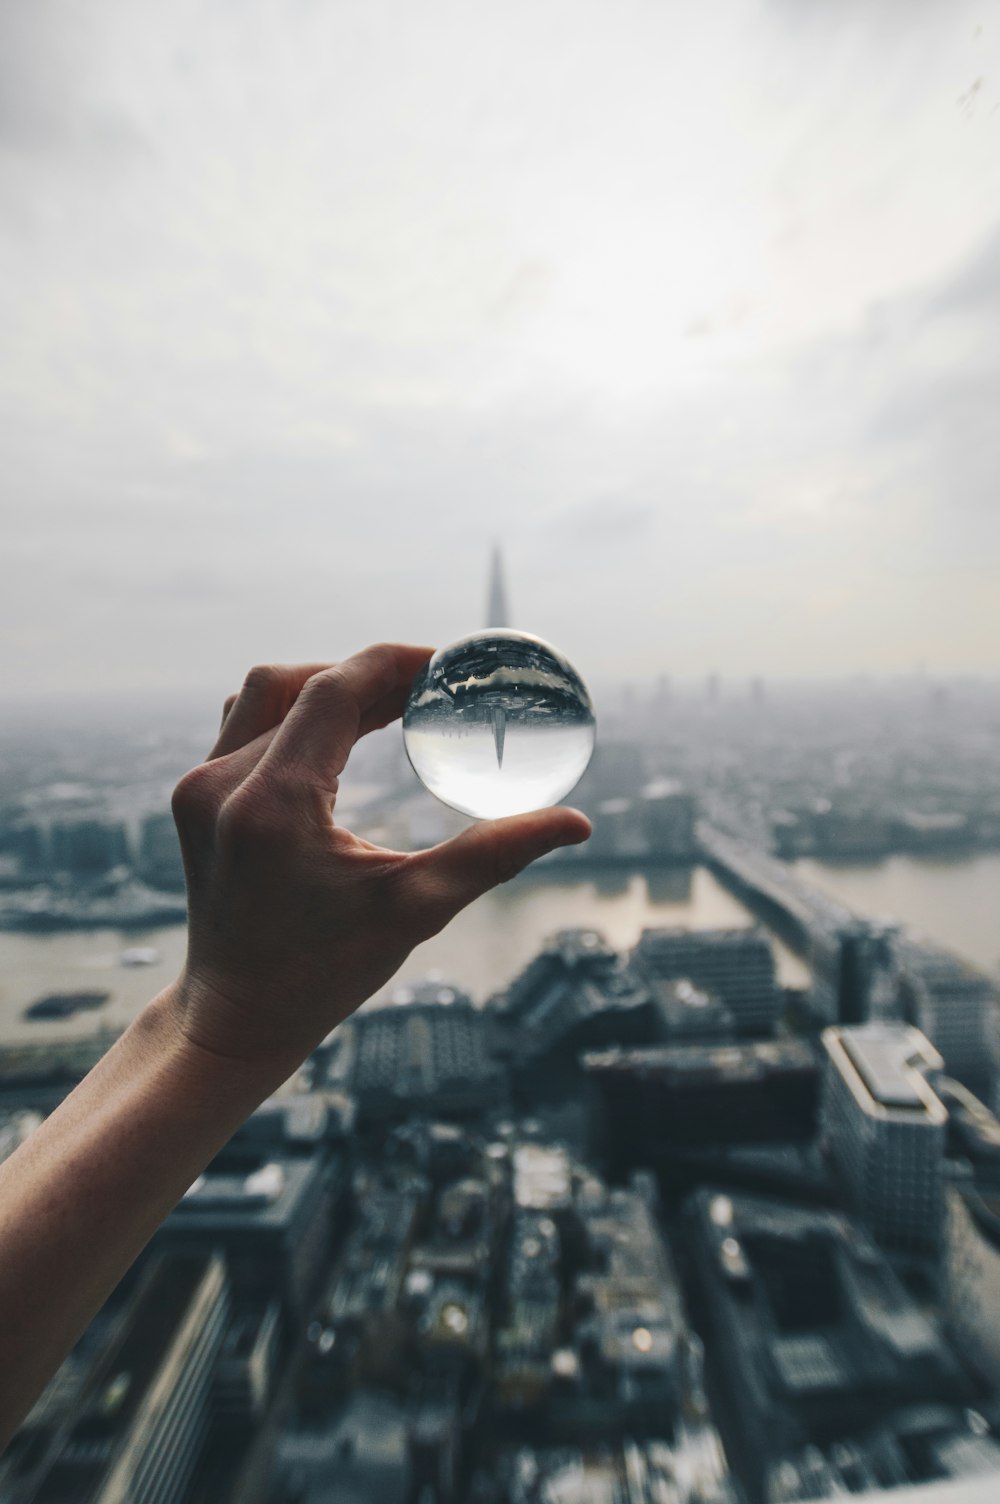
{"points": [[293, 922]]}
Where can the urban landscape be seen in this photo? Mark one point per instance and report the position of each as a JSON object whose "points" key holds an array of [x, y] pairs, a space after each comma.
{"points": [[622, 374], [665, 1222]]}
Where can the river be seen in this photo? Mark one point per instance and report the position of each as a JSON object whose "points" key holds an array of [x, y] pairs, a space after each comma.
{"points": [[957, 903]]}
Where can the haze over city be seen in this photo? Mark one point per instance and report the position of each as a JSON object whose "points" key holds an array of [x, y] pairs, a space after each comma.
{"points": [[304, 305]]}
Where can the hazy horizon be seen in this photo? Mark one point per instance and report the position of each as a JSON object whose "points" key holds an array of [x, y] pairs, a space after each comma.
{"points": [[306, 305]]}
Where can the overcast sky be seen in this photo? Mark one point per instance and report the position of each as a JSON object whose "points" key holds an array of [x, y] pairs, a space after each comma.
{"points": [[302, 304]]}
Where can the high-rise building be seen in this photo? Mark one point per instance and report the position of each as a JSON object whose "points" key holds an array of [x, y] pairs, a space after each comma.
{"points": [[140, 1425], [953, 1005], [668, 816], [272, 1217], [885, 1127], [736, 965]]}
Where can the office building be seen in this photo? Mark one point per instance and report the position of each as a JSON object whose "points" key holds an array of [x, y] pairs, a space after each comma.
{"points": [[421, 1054], [248, 1363], [527, 1337], [360, 1330], [576, 994], [667, 814], [954, 1005], [273, 1219], [885, 1128], [630, 1327], [736, 965], [141, 1421], [689, 1014], [650, 1102], [972, 1276], [810, 1334]]}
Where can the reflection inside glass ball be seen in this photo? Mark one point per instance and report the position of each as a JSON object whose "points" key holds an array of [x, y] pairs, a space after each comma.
{"points": [[499, 723]]}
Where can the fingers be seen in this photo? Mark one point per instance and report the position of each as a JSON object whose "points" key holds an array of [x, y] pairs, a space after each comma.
{"points": [[269, 692], [441, 881], [338, 705]]}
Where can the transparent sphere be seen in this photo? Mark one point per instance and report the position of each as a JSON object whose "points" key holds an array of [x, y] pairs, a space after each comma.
{"points": [[499, 723]]}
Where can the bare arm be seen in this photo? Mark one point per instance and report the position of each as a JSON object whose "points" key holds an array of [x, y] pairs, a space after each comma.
{"points": [[293, 922]]}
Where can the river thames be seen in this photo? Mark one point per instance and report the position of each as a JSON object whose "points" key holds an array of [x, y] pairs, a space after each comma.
{"points": [[956, 903]]}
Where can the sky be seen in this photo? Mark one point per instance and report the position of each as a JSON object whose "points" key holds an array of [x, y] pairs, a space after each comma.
{"points": [[303, 305]]}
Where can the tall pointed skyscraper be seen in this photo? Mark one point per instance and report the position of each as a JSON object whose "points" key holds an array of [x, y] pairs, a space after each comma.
{"points": [[496, 615]]}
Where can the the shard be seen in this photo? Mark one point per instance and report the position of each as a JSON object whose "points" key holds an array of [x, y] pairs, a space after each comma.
{"points": [[496, 611], [499, 731]]}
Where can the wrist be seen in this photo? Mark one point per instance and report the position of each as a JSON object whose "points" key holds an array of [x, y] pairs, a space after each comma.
{"points": [[204, 1061]]}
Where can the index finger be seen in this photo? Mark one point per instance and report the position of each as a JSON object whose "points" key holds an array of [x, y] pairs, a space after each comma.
{"points": [[338, 705], [268, 693]]}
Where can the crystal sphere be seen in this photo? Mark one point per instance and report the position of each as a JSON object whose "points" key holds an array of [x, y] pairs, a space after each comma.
{"points": [[499, 723]]}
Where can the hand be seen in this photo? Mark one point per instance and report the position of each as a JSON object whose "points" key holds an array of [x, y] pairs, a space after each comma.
{"points": [[293, 921]]}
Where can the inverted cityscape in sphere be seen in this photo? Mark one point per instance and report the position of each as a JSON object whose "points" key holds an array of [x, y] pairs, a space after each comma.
{"points": [[499, 723]]}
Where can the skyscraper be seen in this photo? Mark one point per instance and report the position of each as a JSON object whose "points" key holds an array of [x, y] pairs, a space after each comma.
{"points": [[496, 612], [884, 1125]]}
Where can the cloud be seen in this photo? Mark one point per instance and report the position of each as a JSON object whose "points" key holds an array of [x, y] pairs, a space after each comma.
{"points": [[303, 305]]}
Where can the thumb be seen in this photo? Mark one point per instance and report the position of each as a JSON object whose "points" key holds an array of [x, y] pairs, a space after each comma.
{"points": [[444, 879]]}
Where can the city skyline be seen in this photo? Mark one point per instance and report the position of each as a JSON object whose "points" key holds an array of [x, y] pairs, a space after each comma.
{"points": [[304, 308]]}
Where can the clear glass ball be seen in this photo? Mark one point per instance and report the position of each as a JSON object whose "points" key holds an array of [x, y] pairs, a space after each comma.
{"points": [[499, 723]]}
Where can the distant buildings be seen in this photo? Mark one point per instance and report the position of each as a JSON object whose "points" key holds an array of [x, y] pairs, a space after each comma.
{"points": [[851, 960], [159, 854], [885, 1127]]}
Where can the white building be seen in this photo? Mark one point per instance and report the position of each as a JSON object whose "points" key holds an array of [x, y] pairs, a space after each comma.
{"points": [[884, 1126]]}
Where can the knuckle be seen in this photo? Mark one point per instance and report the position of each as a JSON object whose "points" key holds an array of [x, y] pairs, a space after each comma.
{"points": [[194, 797], [329, 688], [381, 651], [382, 656], [262, 678]]}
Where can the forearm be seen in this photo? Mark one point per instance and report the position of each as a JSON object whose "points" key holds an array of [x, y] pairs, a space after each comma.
{"points": [[82, 1197]]}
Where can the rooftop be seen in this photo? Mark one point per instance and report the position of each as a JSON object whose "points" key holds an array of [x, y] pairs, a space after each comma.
{"points": [[886, 1066]]}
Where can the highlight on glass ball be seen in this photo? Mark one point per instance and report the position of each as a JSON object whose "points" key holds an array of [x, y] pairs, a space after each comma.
{"points": [[499, 723]]}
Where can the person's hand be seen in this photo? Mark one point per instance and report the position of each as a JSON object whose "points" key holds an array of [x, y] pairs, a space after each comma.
{"points": [[293, 921]]}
